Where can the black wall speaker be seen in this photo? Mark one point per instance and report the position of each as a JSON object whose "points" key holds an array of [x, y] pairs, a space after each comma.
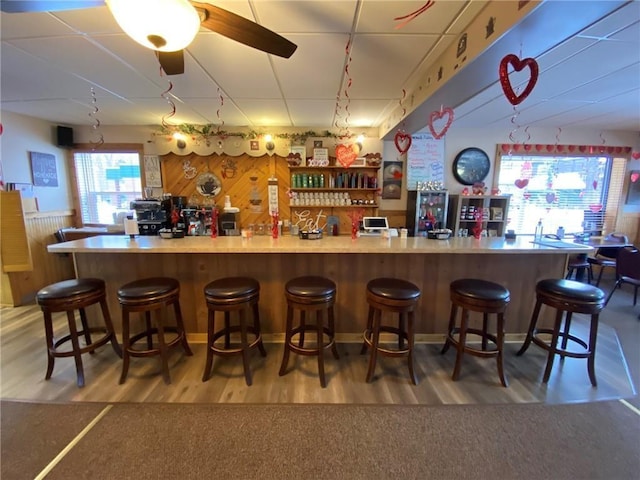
{"points": [[64, 136]]}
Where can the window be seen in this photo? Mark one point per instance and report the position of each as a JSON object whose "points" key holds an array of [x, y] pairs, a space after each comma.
{"points": [[563, 191], [107, 182]]}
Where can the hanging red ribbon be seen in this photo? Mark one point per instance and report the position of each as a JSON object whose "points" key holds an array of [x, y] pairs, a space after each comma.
{"points": [[407, 18], [172, 106]]}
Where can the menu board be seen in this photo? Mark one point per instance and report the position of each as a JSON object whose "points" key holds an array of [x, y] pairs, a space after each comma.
{"points": [[425, 160]]}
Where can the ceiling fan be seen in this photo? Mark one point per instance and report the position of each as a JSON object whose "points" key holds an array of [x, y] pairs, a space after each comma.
{"points": [[168, 13]]}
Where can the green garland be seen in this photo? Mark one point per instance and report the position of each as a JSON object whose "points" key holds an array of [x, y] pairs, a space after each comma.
{"points": [[211, 130]]}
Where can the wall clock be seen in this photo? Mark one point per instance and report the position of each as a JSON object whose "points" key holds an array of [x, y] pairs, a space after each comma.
{"points": [[471, 165]]}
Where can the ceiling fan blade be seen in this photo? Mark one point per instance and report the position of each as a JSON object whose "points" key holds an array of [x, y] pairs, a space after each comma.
{"points": [[244, 31], [171, 62], [17, 6]]}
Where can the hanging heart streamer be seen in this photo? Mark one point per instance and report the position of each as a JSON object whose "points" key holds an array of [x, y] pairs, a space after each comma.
{"points": [[96, 120], [346, 154], [345, 127], [220, 120], [402, 141], [517, 65], [437, 115], [407, 18], [172, 106]]}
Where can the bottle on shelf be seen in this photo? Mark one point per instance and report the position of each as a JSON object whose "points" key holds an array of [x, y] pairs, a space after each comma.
{"points": [[538, 233]]}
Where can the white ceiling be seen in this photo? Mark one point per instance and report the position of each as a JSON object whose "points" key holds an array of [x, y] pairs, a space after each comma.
{"points": [[51, 61]]}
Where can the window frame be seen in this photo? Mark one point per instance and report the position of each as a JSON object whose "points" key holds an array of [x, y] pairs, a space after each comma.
{"points": [[611, 198], [105, 148]]}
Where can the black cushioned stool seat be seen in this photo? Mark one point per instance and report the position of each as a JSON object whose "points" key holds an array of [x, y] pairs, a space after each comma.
{"points": [[145, 296], [306, 295], [571, 297], [233, 294], [476, 295], [68, 296], [391, 295]]}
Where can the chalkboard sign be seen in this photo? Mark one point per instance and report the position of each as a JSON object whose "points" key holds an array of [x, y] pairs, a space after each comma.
{"points": [[425, 160], [43, 169]]}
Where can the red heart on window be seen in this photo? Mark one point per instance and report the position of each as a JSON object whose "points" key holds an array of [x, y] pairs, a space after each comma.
{"points": [[522, 182], [437, 115], [403, 142], [595, 208], [595, 184], [517, 65], [346, 155], [635, 155], [634, 177], [551, 197]]}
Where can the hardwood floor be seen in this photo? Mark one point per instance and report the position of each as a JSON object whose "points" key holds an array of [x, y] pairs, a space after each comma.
{"points": [[23, 365]]}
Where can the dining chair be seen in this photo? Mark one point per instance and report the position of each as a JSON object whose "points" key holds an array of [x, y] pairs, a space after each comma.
{"points": [[627, 271], [605, 257]]}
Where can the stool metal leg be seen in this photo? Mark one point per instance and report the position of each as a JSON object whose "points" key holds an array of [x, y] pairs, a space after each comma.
{"points": [[244, 346], [591, 361], [462, 338], [375, 339], [532, 327], [287, 341], [210, 331], [71, 319], [553, 346], [320, 344]]}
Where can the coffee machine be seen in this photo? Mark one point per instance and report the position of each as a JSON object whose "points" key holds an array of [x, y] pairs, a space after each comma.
{"points": [[150, 214], [227, 220]]}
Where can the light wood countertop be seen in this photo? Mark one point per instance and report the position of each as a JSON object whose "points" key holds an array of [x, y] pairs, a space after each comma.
{"points": [[289, 244]]}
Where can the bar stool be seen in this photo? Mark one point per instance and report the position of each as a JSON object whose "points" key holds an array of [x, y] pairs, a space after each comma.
{"points": [[306, 295], [571, 297], [233, 294], [145, 296], [395, 296], [68, 296], [580, 265], [484, 297]]}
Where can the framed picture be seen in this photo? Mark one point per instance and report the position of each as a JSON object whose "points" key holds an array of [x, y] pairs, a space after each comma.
{"points": [[359, 162], [317, 144], [43, 169]]}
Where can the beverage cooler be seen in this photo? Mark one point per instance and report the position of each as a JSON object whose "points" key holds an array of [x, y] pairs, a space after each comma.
{"points": [[426, 210]]}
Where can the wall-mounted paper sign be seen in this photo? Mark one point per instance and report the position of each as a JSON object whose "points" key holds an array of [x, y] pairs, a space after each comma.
{"points": [[152, 174]]}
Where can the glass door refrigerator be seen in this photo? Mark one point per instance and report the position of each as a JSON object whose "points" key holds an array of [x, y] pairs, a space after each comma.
{"points": [[426, 210]]}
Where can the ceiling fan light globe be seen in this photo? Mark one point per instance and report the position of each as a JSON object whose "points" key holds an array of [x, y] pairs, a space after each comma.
{"points": [[164, 25]]}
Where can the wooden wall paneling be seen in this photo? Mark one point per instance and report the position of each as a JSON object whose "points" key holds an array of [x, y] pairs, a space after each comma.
{"points": [[48, 267]]}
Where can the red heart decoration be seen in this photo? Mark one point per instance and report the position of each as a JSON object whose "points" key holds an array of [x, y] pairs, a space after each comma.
{"points": [[551, 197], [516, 147], [635, 155], [522, 182], [539, 148], [527, 148], [595, 208], [437, 115], [505, 147], [517, 66], [582, 148], [571, 148], [595, 184], [634, 177], [403, 142], [550, 148], [345, 155]]}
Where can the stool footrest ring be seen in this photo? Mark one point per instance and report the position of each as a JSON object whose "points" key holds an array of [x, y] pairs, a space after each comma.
{"points": [[559, 351], [234, 351]]}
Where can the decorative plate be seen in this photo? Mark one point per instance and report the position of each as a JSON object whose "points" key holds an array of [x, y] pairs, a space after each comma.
{"points": [[208, 185]]}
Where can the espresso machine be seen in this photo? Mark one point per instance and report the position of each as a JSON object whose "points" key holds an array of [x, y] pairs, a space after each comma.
{"points": [[150, 214]]}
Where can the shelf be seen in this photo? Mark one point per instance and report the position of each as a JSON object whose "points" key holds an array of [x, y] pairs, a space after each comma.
{"points": [[327, 189], [334, 206], [335, 168]]}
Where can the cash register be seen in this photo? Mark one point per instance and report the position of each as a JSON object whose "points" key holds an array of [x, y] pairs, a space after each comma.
{"points": [[375, 226]]}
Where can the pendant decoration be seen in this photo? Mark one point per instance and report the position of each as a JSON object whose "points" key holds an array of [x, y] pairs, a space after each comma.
{"points": [[439, 115], [410, 16], [402, 141], [517, 65], [96, 121]]}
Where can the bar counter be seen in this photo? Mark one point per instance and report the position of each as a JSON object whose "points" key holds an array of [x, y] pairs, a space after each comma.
{"points": [[430, 264]]}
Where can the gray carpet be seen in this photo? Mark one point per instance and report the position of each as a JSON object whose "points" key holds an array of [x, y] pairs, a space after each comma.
{"points": [[229, 441]]}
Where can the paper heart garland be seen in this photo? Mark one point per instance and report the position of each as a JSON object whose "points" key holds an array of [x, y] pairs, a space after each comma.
{"points": [[437, 115], [346, 155], [522, 182], [403, 142], [517, 66]]}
